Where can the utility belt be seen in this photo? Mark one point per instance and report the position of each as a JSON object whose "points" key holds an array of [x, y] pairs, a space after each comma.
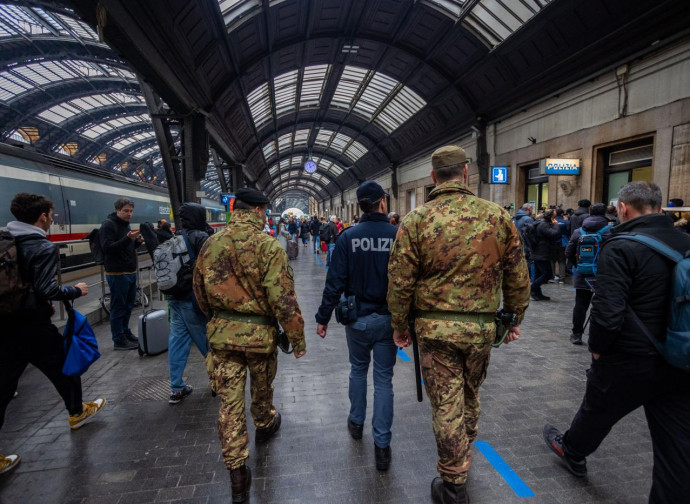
{"points": [[349, 309], [281, 338], [503, 320]]}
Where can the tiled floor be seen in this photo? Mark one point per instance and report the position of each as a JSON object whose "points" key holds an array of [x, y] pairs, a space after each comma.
{"points": [[144, 450]]}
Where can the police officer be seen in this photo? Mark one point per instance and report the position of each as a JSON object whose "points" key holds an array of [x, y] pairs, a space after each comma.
{"points": [[358, 268], [451, 260], [244, 283]]}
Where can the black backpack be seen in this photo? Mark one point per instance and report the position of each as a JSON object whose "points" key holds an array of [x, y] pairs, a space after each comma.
{"points": [[12, 287], [325, 233], [94, 238], [530, 234]]}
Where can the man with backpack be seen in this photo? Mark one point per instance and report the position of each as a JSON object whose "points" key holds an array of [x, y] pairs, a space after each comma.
{"points": [[630, 324], [119, 243], [314, 228], [329, 233], [27, 286], [583, 251], [522, 218], [187, 322], [541, 237]]}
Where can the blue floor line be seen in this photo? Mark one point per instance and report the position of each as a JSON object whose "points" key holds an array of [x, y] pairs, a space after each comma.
{"points": [[519, 487], [319, 259], [403, 356]]}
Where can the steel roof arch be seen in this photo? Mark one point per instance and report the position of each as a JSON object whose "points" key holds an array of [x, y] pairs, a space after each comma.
{"points": [[274, 193], [106, 140]]}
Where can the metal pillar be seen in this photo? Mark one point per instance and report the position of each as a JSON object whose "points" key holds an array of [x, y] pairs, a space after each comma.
{"points": [[166, 143], [194, 154], [220, 170], [483, 157]]}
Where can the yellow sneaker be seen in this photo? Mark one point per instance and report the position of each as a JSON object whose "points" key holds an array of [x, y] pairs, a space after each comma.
{"points": [[90, 409], [9, 462]]}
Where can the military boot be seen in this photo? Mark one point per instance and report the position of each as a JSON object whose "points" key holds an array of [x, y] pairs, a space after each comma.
{"points": [[267, 433], [240, 482], [443, 492]]}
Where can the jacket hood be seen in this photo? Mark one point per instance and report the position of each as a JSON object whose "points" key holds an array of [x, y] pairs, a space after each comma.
{"points": [[17, 228], [193, 216], [520, 214], [594, 223]]}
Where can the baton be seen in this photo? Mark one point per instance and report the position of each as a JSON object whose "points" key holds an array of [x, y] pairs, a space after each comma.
{"points": [[415, 354]]}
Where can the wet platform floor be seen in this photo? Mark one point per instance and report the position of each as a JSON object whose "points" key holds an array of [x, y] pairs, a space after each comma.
{"points": [[140, 449]]}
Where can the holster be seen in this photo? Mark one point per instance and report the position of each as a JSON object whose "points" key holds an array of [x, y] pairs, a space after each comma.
{"points": [[346, 310]]}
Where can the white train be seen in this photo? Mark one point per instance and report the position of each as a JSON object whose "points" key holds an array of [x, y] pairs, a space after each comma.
{"points": [[83, 197]]}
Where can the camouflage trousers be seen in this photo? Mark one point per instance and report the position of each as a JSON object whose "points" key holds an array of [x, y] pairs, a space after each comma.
{"points": [[452, 374], [228, 374]]}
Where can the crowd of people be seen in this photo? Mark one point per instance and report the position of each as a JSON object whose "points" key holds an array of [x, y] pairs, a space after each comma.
{"points": [[450, 278]]}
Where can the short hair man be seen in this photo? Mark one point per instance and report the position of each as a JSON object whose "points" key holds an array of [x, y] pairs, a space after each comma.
{"points": [[452, 259], [394, 219], [119, 243], [580, 214], [244, 283], [630, 307], [359, 268], [164, 231], [28, 335]]}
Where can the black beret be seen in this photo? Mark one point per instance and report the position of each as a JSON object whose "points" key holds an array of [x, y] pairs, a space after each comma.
{"points": [[251, 196]]}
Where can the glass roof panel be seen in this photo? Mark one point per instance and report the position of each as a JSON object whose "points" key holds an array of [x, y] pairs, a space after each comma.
{"points": [[285, 89], [301, 137], [233, 10], [94, 130], [313, 82], [16, 20], [350, 82], [269, 150], [132, 139], [400, 109], [260, 105], [451, 7], [142, 153], [496, 20], [64, 111]]}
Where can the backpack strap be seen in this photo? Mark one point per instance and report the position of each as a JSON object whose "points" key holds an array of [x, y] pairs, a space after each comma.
{"points": [[653, 244], [190, 250]]}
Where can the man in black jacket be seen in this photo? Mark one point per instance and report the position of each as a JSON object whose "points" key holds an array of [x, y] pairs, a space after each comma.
{"points": [[164, 231], [187, 322], [119, 244], [314, 228], [359, 268], [28, 335], [580, 214], [584, 284], [627, 371], [549, 233]]}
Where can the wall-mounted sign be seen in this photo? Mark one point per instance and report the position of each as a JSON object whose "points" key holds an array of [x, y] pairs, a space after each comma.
{"points": [[499, 174], [556, 166], [228, 200]]}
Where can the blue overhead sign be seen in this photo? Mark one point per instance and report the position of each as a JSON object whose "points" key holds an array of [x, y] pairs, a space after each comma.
{"points": [[562, 166], [499, 174]]}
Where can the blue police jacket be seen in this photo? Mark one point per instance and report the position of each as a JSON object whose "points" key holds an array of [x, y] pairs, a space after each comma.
{"points": [[359, 267]]}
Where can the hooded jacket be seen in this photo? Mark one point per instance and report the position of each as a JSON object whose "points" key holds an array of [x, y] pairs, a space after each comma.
{"points": [[549, 235], [119, 252], [38, 264], [578, 218], [590, 225], [633, 276], [193, 221]]}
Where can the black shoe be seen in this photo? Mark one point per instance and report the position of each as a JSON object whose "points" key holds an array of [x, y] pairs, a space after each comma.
{"points": [[443, 492], [383, 457], [576, 338], [124, 344], [177, 397], [267, 433], [355, 429], [537, 296], [554, 440], [240, 483], [131, 337]]}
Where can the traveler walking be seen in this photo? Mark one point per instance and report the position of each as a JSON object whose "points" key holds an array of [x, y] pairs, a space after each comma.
{"points": [[548, 233], [630, 314], [580, 214], [28, 335], [359, 268], [187, 322], [451, 260], [314, 229], [244, 283], [119, 243]]}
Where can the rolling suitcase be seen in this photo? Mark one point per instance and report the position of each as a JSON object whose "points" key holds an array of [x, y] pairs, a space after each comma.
{"points": [[154, 328], [292, 249]]}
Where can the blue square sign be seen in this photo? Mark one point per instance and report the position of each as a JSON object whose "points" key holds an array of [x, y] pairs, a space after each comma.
{"points": [[499, 174]]}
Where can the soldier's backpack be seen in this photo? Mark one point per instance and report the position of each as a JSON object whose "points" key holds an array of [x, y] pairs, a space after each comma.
{"points": [[530, 235], [676, 348], [173, 266], [12, 288], [588, 248]]}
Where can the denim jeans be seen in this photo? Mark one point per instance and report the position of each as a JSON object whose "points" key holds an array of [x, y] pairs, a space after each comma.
{"points": [[186, 325], [542, 274], [372, 333], [123, 292], [331, 248], [316, 240]]}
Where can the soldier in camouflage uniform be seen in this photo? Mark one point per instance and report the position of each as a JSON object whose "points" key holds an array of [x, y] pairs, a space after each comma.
{"points": [[244, 283], [451, 259]]}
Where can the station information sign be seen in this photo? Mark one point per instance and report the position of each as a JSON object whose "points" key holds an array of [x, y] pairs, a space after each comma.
{"points": [[555, 166], [499, 174]]}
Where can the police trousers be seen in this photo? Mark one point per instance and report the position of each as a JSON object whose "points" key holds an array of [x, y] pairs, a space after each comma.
{"points": [[453, 371], [228, 374], [617, 384]]}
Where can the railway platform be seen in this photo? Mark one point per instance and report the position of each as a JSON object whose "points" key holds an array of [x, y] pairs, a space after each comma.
{"points": [[140, 449]]}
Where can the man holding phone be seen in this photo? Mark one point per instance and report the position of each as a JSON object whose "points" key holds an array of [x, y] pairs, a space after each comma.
{"points": [[119, 243]]}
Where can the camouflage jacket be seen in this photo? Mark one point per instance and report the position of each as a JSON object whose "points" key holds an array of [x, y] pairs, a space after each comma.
{"points": [[244, 271], [455, 253]]}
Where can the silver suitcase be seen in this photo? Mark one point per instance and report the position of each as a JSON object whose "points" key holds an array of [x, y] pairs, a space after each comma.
{"points": [[154, 329]]}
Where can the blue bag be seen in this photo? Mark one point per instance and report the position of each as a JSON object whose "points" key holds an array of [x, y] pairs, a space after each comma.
{"points": [[588, 248], [676, 348], [81, 347]]}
